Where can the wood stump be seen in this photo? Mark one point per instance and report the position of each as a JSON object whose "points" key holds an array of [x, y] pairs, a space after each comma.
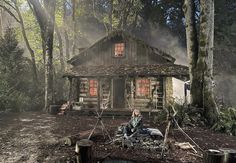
{"points": [[230, 155], [83, 149], [213, 156]]}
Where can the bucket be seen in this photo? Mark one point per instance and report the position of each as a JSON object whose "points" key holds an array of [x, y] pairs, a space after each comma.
{"points": [[230, 155], [213, 156]]}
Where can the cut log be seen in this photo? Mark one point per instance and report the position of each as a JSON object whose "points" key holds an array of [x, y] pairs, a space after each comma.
{"points": [[213, 156], [230, 155], [84, 150], [71, 140]]}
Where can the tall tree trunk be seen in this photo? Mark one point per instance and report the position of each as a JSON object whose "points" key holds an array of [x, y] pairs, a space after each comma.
{"points": [[67, 43], [1, 23], [192, 51], [34, 68], [201, 59], [46, 18], [205, 60], [110, 16], [49, 91], [74, 2], [60, 48]]}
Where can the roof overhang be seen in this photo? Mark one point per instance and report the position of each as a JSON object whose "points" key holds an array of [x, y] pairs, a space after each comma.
{"points": [[168, 70]]}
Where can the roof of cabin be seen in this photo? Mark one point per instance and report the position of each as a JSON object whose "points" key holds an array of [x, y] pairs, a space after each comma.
{"points": [[171, 70], [124, 35]]}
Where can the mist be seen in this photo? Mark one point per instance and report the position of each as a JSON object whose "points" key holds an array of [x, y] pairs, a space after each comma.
{"points": [[225, 90]]}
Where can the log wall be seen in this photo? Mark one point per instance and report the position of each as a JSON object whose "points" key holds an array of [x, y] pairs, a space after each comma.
{"points": [[153, 101]]}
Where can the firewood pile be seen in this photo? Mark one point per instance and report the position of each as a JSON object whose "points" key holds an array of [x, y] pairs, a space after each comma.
{"points": [[144, 141]]}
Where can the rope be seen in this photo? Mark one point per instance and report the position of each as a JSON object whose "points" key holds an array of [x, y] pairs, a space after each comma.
{"points": [[185, 134], [179, 128]]}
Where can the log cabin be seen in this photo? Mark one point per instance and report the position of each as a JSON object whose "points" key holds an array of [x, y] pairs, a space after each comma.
{"points": [[125, 72]]}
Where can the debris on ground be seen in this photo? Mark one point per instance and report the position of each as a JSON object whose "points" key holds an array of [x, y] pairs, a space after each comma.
{"points": [[36, 137]]}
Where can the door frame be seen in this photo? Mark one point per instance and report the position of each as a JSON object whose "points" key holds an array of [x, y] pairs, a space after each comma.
{"points": [[113, 92]]}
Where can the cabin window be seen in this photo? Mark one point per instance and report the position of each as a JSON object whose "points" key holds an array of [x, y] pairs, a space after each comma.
{"points": [[143, 87], [93, 87], [119, 49]]}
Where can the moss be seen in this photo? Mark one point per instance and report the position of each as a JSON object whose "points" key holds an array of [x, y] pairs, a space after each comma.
{"points": [[203, 19]]}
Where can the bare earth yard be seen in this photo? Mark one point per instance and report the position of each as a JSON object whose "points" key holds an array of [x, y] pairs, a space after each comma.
{"points": [[36, 137]]}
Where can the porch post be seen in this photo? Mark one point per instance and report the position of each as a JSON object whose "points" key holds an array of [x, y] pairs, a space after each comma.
{"points": [[164, 92], [70, 89], [111, 89], [78, 89], [132, 93], [99, 94]]}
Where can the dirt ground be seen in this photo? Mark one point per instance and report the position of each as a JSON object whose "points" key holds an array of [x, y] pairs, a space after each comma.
{"points": [[37, 137]]}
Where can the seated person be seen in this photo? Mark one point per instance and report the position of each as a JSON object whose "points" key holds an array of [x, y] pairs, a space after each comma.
{"points": [[135, 125]]}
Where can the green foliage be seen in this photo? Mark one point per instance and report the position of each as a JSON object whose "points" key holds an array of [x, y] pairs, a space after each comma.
{"points": [[17, 90], [227, 121]]}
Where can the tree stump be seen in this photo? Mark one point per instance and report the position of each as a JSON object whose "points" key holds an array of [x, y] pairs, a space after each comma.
{"points": [[230, 155], [213, 156], [84, 150]]}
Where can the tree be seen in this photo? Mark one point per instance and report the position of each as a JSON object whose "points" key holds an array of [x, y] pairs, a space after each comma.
{"points": [[46, 17], [15, 94], [11, 7], [200, 53]]}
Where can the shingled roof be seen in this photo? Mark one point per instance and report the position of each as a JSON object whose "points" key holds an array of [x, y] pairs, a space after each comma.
{"points": [[124, 35], [171, 70]]}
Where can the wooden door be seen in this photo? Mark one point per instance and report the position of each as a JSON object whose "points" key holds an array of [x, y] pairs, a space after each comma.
{"points": [[119, 93]]}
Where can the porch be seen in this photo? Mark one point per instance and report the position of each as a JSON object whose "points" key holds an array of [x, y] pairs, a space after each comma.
{"points": [[124, 87]]}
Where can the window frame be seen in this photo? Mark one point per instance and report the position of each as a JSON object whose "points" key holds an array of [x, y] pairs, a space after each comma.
{"points": [[114, 49], [140, 95]]}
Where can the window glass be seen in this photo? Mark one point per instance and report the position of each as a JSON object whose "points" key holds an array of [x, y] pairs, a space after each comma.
{"points": [[143, 87], [119, 49], [93, 87]]}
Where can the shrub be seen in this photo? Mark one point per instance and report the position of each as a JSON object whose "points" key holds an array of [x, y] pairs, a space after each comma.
{"points": [[227, 121]]}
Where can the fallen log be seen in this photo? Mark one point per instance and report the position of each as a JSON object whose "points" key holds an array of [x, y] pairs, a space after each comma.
{"points": [[71, 140]]}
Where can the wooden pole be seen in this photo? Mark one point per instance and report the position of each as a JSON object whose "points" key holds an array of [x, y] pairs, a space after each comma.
{"points": [[83, 149], [166, 134]]}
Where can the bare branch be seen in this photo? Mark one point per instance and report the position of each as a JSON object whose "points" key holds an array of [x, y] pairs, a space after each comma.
{"points": [[10, 13], [9, 4]]}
